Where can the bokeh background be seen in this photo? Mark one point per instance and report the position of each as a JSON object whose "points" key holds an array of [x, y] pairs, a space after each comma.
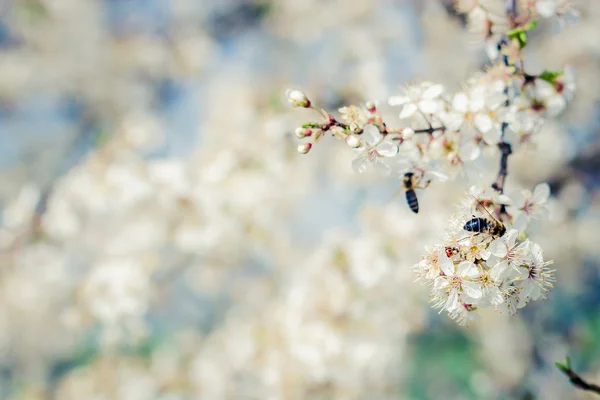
{"points": [[161, 238]]}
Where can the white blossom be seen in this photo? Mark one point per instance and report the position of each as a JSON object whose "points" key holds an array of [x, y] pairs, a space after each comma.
{"points": [[423, 98], [375, 148], [536, 279], [456, 281], [527, 205]]}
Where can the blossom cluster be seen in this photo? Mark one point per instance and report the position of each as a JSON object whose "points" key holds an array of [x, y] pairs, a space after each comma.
{"points": [[443, 135], [490, 20], [487, 259]]}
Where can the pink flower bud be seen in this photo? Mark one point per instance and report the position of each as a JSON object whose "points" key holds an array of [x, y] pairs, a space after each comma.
{"points": [[297, 98], [302, 132], [371, 106], [304, 148]]}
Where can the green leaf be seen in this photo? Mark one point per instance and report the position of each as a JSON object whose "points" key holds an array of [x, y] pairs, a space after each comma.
{"points": [[523, 39], [310, 125], [551, 76], [514, 33], [521, 33], [530, 25], [562, 367]]}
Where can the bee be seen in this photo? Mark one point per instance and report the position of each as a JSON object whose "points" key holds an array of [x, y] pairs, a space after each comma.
{"points": [[483, 225], [410, 182]]}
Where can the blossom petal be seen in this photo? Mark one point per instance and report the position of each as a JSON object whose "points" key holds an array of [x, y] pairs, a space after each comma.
{"points": [[467, 269], [440, 283], [452, 303], [428, 106], [472, 289], [521, 221], [510, 238], [372, 135], [460, 102], [483, 122], [544, 89], [359, 164], [433, 92], [541, 193], [453, 121], [408, 110], [492, 136], [536, 292], [497, 99], [484, 254], [498, 248], [477, 97], [555, 105], [504, 199], [495, 296], [536, 252], [387, 149], [382, 167], [498, 271], [527, 288], [445, 263]]}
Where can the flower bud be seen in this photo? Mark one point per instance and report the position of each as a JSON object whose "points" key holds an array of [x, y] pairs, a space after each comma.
{"points": [[302, 132], [407, 133], [371, 106], [353, 141], [304, 148], [297, 98]]}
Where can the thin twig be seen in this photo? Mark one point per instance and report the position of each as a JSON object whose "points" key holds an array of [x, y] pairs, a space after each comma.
{"points": [[430, 130], [576, 380]]}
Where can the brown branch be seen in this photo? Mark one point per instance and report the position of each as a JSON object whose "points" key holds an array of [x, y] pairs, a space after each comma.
{"points": [[506, 151], [430, 130], [332, 121], [575, 379]]}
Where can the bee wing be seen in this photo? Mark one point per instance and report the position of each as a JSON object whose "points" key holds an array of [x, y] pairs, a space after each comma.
{"points": [[435, 175], [397, 193], [465, 238], [483, 208]]}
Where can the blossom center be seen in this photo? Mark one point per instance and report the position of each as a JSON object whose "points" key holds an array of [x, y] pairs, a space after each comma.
{"points": [[484, 280], [372, 153], [455, 281]]}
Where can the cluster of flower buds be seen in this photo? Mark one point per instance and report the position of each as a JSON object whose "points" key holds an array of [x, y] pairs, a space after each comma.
{"points": [[442, 135], [487, 259]]}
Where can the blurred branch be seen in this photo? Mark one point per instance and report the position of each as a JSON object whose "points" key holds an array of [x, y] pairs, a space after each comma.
{"points": [[511, 7], [32, 230], [575, 379]]}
